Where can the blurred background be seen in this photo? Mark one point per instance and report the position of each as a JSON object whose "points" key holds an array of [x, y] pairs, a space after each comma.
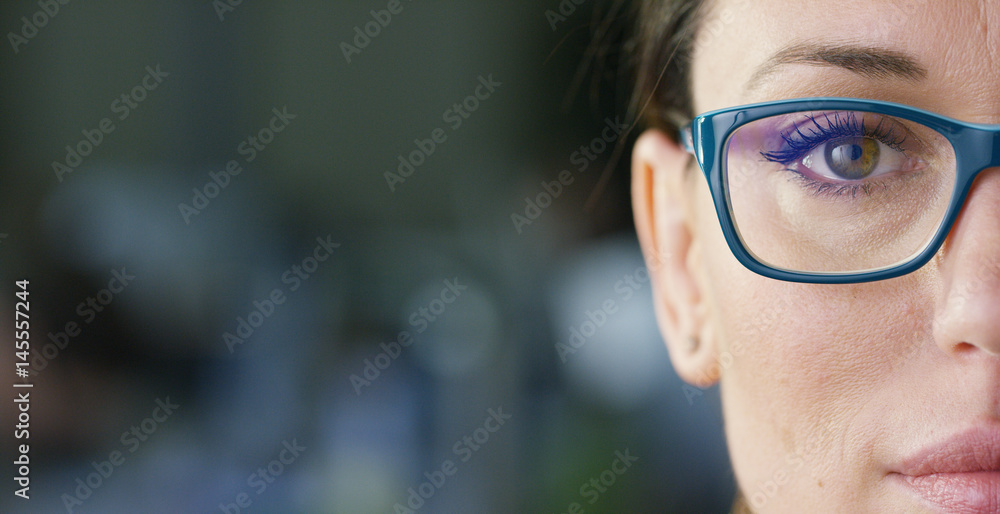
{"points": [[335, 257]]}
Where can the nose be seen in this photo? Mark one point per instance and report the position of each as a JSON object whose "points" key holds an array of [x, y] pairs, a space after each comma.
{"points": [[968, 317]]}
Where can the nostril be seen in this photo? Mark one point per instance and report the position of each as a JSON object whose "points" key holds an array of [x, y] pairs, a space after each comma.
{"points": [[970, 350], [964, 347]]}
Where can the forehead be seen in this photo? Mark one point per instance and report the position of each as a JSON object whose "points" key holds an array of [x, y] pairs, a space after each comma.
{"points": [[957, 42]]}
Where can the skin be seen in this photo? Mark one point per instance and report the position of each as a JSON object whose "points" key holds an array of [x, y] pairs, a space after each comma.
{"points": [[826, 387]]}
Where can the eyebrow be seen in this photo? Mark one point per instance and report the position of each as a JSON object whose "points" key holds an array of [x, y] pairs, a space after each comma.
{"points": [[870, 62]]}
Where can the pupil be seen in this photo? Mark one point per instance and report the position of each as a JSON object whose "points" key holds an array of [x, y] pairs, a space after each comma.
{"points": [[852, 158]]}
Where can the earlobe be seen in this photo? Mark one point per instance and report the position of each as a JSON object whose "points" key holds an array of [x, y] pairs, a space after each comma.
{"points": [[663, 205]]}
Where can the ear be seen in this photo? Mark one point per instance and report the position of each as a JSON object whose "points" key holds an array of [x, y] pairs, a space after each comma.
{"points": [[664, 207]]}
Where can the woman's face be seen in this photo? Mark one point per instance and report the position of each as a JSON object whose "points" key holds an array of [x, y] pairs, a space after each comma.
{"points": [[873, 397]]}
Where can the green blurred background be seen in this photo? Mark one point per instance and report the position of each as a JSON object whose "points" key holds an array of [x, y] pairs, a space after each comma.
{"points": [[515, 341]]}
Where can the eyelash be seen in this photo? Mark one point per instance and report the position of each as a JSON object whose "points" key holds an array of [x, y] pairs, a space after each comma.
{"points": [[831, 189], [842, 125], [798, 144]]}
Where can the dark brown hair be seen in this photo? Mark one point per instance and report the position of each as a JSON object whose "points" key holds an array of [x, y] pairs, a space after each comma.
{"points": [[660, 50]]}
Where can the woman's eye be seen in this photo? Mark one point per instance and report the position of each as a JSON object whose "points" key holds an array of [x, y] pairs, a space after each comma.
{"points": [[853, 158]]}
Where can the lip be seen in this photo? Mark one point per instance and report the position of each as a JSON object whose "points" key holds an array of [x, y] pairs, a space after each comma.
{"points": [[959, 474]]}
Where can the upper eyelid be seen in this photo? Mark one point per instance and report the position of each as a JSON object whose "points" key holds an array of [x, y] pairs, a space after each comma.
{"points": [[853, 123], [842, 121], [786, 156]]}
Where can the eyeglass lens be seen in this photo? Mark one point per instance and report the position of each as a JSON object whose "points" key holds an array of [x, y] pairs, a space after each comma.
{"points": [[837, 191]]}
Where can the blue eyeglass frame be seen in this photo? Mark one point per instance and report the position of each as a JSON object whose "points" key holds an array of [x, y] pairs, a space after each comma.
{"points": [[976, 146]]}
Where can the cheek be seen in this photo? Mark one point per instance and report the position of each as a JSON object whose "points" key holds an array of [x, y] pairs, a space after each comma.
{"points": [[806, 368]]}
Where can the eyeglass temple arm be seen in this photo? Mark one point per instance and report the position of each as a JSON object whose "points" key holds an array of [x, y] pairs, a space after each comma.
{"points": [[687, 138]]}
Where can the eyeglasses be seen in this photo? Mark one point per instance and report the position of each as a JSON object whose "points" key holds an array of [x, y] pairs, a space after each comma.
{"points": [[837, 190]]}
